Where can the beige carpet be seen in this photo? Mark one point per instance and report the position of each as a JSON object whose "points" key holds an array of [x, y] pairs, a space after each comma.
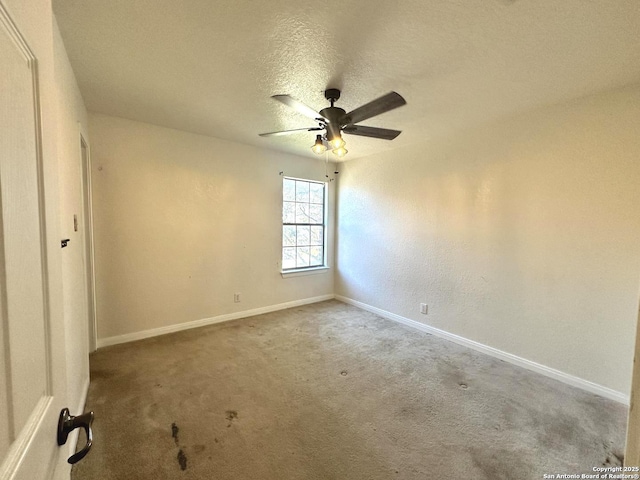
{"points": [[328, 391]]}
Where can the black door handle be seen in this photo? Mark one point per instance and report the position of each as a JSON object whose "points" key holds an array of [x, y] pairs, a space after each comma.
{"points": [[67, 423]]}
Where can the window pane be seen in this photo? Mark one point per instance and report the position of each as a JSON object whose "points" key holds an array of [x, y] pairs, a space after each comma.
{"points": [[303, 236], [289, 212], [288, 258], [302, 257], [289, 190], [302, 213], [302, 191], [288, 236], [315, 213], [316, 193], [303, 223], [317, 236], [316, 257]]}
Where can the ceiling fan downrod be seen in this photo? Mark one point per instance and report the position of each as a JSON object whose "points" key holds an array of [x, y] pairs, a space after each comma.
{"points": [[332, 94]]}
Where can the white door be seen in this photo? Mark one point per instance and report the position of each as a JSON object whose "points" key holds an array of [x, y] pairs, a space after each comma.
{"points": [[31, 364]]}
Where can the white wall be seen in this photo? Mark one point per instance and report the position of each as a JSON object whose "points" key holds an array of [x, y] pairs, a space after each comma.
{"points": [[70, 123], [523, 235], [182, 221]]}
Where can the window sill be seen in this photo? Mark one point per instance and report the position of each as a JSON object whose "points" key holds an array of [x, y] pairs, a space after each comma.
{"points": [[304, 271]]}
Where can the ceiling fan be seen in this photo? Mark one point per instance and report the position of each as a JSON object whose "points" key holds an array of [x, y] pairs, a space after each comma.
{"points": [[335, 121]]}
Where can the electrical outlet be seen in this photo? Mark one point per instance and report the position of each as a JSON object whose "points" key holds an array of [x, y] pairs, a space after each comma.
{"points": [[424, 308], [236, 298]]}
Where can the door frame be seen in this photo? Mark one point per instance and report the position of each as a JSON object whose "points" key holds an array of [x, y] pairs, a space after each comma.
{"points": [[632, 444], [88, 247]]}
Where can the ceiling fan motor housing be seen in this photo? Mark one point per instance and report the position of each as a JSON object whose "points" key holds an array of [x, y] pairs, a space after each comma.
{"points": [[336, 119]]}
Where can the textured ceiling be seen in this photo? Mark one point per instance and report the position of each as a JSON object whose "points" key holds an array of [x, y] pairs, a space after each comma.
{"points": [[210, 67]]}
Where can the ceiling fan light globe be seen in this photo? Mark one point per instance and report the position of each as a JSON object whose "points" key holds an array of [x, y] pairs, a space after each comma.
{"points": [[319, 147], [337, 142], [340, 151]]}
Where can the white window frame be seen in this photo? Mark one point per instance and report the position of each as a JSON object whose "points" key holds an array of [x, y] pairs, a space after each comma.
{"points": [[299, 271]]}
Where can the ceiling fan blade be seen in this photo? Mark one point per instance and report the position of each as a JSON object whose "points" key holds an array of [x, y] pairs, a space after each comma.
{"points": [[289, 132], [374, 132], [298, 106], [376, 107]]}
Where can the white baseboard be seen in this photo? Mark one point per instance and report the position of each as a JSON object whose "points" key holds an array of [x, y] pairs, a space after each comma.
{"points": [[154, 332], [494, 352]]}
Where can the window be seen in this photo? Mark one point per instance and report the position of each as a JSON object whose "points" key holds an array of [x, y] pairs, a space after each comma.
{"points": [[303, 224]]}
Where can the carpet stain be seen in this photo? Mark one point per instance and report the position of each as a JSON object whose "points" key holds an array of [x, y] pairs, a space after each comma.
{"points": [[182, 460], [493, 464], [231, 415], [174, 432], [614, 459], [199, 448]]}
